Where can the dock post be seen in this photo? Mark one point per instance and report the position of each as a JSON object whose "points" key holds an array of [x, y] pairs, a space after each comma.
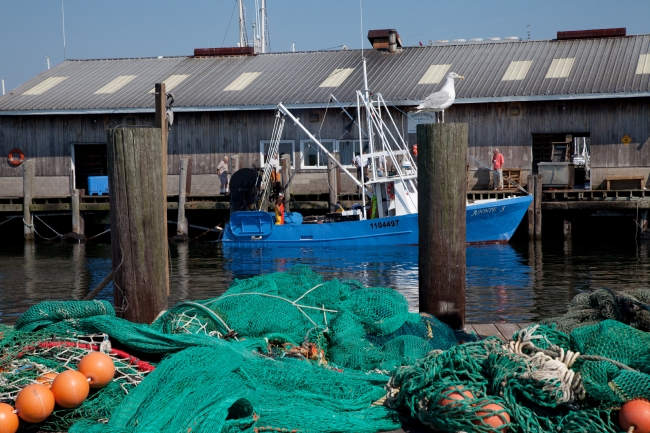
{"points": [[441, 220], [235, 160], [29, 170], [538, 206], [642, 225], [181, 227], [160, 104], [566, 228], [285, 164], [77, 219], [333, 175], [138, 222], [530, 213]]}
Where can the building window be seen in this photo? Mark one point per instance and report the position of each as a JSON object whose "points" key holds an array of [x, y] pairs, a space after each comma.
{"points": [[349, 148], [544, 145], [286, 146], [312, 156]]}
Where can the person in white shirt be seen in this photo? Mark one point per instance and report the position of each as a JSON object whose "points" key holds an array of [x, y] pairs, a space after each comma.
{"points": [[222, 171]]}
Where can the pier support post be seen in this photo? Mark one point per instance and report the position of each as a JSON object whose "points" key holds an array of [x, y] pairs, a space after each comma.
{"points": [[236, 163], [78, 226], [441, 220], [181, 227], [160, 104], [138, 222], [530, 213], [566, 228], [29, 170], [538, 206], [333, 176], [285, 166]]}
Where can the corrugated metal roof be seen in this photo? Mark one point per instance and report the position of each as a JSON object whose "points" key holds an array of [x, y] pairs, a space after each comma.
{"points": [[493, 71]]}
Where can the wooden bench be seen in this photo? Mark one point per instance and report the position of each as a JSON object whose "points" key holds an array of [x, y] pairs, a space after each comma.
{"points": [[630, 178]]}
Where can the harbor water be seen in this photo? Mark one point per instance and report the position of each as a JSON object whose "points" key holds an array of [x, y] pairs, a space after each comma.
{"points": [[518, 282]]}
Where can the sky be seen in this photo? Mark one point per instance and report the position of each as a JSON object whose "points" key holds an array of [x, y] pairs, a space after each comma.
{"points": [[30, 30]]}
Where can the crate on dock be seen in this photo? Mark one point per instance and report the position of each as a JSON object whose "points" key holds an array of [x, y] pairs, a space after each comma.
{"points": [[97, 185], [513, 174]]}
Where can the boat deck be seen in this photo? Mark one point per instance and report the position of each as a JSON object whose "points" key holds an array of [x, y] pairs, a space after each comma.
{"points": [[502, 330]]}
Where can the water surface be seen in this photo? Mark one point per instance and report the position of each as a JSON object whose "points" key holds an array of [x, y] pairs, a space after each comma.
{"points": [[514, 282]]}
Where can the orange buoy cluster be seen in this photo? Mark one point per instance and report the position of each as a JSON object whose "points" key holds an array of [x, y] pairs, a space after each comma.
{"points": [[488, 413], [635, 413], [69, 389]]}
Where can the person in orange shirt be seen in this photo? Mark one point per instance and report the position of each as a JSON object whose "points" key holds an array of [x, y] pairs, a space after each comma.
{"points": [[279, 209], [497, 169]]}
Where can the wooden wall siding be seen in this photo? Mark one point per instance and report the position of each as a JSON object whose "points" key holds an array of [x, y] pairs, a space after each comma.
{"points": [[207, 136]]}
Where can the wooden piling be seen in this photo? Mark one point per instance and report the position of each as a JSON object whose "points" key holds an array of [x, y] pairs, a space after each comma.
{"points": [[333, 176], [642, 225], [443, 193], [530, 213], [566, 228], [235, 160], [138, 222], [285, 164], [538, 206], [29, 170], [181, 227], [78, 226], [160, 104]]}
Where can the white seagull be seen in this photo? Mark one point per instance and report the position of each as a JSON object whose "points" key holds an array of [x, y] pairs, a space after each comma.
{"points": [[442, 99]]}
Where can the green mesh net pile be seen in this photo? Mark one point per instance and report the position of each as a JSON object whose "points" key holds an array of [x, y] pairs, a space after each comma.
{"points": [[281, 352], [291, 352]]}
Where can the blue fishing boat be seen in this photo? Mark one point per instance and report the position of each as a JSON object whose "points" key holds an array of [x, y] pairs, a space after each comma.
{"points": [[388, 212]]}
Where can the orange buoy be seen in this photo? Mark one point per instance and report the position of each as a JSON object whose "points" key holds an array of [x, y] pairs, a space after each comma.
{"points": [[453, 394], [46, 379], [8, 419], [34, 403], [635, 413], [70, 389], [498, 420], [98, 367]]}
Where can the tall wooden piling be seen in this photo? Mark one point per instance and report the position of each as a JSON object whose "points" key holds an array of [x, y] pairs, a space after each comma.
{"points": [[181, 227], [530, 213], [29, 171], [78, 225], [442, 192], [138, 222], [285, 164], [333, 176], [538, 206]]}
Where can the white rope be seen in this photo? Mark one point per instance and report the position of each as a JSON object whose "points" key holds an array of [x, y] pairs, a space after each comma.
{"points": [[31, 226]]}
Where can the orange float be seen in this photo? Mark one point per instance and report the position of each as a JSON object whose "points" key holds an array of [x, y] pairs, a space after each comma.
{"points": [[34, 403], [46, 379], [635, 413], [454, 394], [498, 420], [70, 389], [8, 419], [98, 367]]}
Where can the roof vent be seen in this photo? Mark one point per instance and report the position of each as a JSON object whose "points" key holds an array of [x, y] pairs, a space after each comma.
{"points": [[386, 39], [493, 39], [215, 52], [476, 40], [511, 38], [596, 33], [459, 40]]}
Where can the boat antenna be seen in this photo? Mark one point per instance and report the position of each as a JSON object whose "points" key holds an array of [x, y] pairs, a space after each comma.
{"points": [[363, 58]]}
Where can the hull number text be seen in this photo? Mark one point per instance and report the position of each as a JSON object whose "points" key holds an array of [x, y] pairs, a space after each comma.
{"points": [[384, 224]]}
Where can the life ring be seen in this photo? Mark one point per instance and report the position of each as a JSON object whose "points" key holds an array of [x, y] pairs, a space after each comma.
{"points": [[415, 149], [13, 160], [389, 191]]}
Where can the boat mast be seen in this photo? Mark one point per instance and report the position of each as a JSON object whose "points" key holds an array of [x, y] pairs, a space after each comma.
{"points": [[242, 26]]}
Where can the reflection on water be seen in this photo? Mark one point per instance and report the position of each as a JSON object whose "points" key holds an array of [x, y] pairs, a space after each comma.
{"points": [[515, 283]]}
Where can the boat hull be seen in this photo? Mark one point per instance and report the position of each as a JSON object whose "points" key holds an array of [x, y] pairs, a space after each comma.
{"points": [[486, 222]]}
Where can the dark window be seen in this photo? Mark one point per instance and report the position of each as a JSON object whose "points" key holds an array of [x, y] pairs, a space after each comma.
{"points": [[89, 160], [543, 145]]}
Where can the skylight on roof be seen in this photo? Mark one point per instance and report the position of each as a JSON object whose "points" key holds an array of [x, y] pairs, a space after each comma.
{"points": [[116, 84], [560, 68], [517, 70], [242, 81], [643, 67], [434, 74], [172, 81], [46, 85], [337, 77]]}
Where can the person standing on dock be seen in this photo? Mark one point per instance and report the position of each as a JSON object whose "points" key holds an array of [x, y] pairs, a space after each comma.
{"points": [[222, 171], [497, 169]]}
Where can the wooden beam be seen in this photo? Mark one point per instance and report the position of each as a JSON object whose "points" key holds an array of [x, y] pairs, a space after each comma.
{"points": [[442, 189], [333, 180], [181, 227], [138, 222], [530, 213], [160, 104], [285, 164], [538, 206]]}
